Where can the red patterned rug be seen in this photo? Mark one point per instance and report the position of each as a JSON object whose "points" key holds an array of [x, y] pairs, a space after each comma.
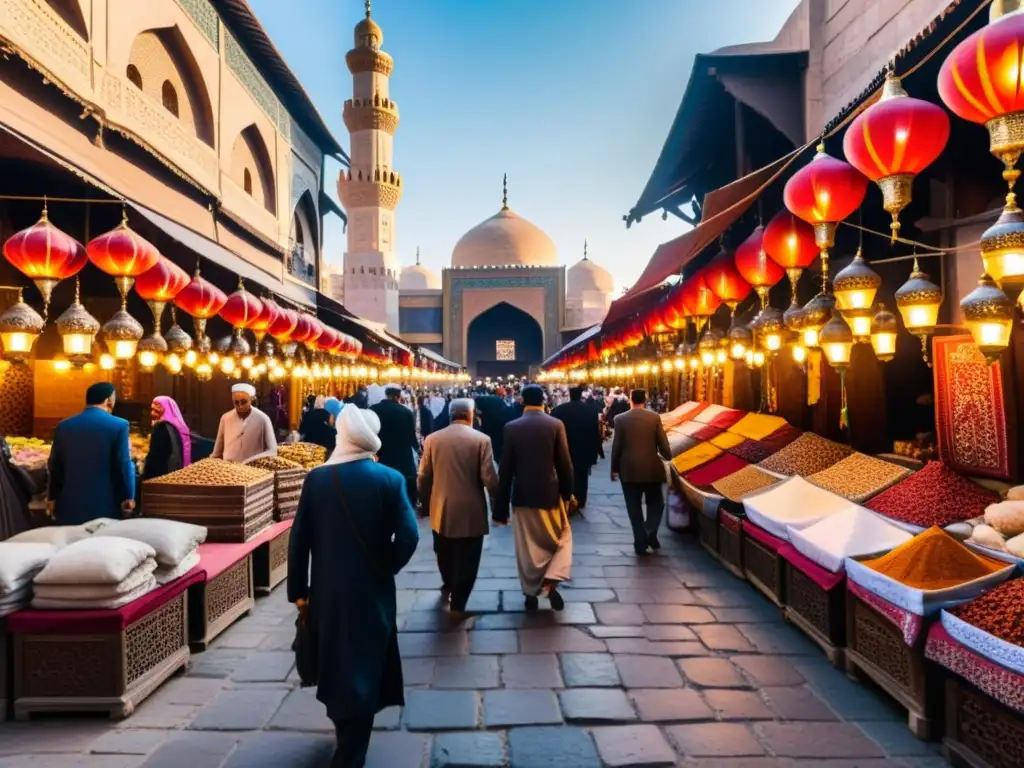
{"points": [[970, 410]]}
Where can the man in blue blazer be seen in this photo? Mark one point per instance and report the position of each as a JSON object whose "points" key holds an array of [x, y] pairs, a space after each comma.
{"points": [[91, 469]]}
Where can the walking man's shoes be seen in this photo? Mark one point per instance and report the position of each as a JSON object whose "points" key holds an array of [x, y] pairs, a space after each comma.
{"points": [[557, 602], [532, 604], [653, 541]]}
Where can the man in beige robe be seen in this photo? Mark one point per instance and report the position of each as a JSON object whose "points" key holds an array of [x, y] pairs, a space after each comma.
{"points": [[245, 433]]}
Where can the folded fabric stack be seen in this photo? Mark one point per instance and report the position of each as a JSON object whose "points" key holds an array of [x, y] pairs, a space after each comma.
{"points": [[176, 544], [19, 564], [96, 573], [794, 503], [679, 442]]}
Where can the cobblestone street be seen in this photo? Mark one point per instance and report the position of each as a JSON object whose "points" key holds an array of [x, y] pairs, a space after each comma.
{"points": [[665, 661]]}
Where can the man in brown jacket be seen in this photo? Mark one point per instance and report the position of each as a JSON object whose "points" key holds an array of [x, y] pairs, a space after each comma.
{"points": [[638, 448], [456, 474], [535, 479]]}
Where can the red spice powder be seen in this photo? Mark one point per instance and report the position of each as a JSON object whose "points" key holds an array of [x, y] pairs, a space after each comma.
{"points": [[999, 612], [934, 496]]}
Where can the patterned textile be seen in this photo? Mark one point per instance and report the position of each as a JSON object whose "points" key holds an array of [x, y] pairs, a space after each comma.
{"points": [[689, 428], [726, 440], [678, 442], [807, 455], [754, 451], [731, 521], [744, 482], [970, 415], [716, 469], [909, 623], [1002, 684], [709, 414], [684, 412], [858, 477], [781, 437], [726, 419], [763, 537], [827, 580], [693, 458], [936, 495], [707, 432], [757, 426]]}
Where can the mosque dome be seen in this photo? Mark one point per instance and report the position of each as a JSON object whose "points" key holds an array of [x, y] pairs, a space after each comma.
{"points": [[585, 275], [506, 239], [368, 33], [416, 277]]}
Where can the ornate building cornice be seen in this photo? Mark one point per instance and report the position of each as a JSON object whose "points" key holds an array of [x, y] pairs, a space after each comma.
{"points": [[368, 60], [381, 189], [378, 114]]}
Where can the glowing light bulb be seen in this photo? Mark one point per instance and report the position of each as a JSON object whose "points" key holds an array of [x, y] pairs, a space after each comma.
{"points": [[107, 362], [799, 353]]}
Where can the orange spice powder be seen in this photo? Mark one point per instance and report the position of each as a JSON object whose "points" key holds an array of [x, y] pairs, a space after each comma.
{"points": [[933, 560]]}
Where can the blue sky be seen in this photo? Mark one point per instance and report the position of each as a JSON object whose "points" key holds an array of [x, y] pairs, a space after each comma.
{"points": [[572, 98]]}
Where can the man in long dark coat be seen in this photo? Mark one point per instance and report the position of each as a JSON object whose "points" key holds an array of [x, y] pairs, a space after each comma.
{"points": [[494, 414], [582, 430], [398, 442]]}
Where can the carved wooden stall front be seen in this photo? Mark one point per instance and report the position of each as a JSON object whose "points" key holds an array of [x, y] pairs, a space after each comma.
{"points": [[270, 559], [818, 611], [219, 601], [762, 564], [730, 541]]}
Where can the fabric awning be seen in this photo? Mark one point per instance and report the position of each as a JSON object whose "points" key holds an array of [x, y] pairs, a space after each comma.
{"points": [[439, 359], [590, 333], [221, 256], [327, 204]]}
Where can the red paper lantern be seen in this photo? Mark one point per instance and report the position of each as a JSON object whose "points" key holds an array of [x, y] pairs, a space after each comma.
{"points": [[268, 314], [241, 309], [674, 313], [159, 285], [304, 331], [317, 329], [755, 266], [893, 140], [45, 255], [823, 193], [982, 81], [123, 254], [725, 281], [697, 298], [201, 299], [283, 328], [789, 242], [326, 340], [654, 322]]}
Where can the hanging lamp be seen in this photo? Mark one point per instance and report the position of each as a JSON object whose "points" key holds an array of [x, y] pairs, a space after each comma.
{"points": [[989, 316], [77, 329], [45, 255], [884, 328], [918, 301], [20, 326]]}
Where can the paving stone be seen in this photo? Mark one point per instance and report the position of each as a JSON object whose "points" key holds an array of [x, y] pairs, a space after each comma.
{"points": [[619, 614], [589, 670], [466, 672], [440, 710], [647, 672], [265, 667], [754, 615], [530, 670], [278, 641], [668, 632], [558, 640], [245, 709], [71, 761], [548, 747], [783, 640], [388, 719], [633, 745], [677, 614], [728, 598], [821, 740], [588, 595], [417, 670], [714, 740], [482, 602], [216, 662], [160, 715], [602, 632], [634, 596], [494, 641], [738, 705], [301, 711], [279, 748], [661, 705], [712, 673], [797, 703], [585, 582], [194, 749], [722, 637], [237, 638], [436, 620], [186, 690], [496, 585], [596, 705], [513, 617], [395, 749], [468, 750], [433, 643], [897, 740], [768, 670], [644, 647], [848, 699], [128, 742], [520, 707]]}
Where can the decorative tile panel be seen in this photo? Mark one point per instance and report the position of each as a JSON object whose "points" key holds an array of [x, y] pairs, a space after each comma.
{"points": [[304, 147], [249, 76], [205, 17]]}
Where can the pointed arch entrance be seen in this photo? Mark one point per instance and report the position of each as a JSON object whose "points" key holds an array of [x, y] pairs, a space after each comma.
{"points": [[503, 341]]}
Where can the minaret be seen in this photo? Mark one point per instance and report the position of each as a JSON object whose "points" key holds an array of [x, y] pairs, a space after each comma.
{"points": [[370, 189]]}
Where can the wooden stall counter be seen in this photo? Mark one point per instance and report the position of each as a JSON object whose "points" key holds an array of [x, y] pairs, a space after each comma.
{"points": [[270, 558], [100, 660], [984, 712], [762, 563], [224, 595], [815, 601], [730, 541]]}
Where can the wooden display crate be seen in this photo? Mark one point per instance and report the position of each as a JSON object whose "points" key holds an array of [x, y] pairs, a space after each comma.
{"points": [[219, 601], [270, 562], [980, 732], [763, 567], [730, 542], [818, 613], [287, 490]]}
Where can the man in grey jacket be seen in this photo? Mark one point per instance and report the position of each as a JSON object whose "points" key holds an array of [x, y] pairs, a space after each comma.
{"points": [[638, 450], [455, 476]]}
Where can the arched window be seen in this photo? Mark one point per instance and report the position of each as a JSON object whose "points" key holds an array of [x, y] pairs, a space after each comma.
{"points": [[134, 77], [297, 226], [169, 96], [247, 181]]}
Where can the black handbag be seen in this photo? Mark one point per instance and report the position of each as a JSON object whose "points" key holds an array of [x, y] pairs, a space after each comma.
{"points": [[304, 645]]}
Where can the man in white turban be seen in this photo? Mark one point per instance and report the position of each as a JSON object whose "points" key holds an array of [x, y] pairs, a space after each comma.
{"points": [[245, 433], [357, 436]]}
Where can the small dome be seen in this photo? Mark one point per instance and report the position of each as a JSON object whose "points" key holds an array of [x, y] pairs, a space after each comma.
{"points": [[416, 277], [506, 239], [368, 33], [585, 276]]}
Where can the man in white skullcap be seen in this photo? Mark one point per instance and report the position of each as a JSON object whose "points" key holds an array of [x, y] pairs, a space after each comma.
{"points": [[246, 432]]}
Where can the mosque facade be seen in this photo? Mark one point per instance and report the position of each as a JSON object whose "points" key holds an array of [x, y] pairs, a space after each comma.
{"points": [[503, 305]]}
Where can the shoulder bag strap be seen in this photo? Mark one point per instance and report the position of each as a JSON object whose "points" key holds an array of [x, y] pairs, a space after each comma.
{"points": [[336, 476]]}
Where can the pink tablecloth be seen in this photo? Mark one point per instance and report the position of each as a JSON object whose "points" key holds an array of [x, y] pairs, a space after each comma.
{"points": [[1002, 684], [762, 537], [823, 578], [217, 558], [910, 623]]}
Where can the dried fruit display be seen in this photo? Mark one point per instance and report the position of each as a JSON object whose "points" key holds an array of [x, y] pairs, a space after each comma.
{"points": [[214, 472], [274, 463], [309, 455]]}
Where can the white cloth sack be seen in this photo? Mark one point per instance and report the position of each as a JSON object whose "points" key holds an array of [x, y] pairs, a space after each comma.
{"points": [[854, 532], [96, 560], [133, 581], [47, 603], [794, 503], [98, 524], [172, 540], [59, 536], [708, 414], [20, 562], [167, 575]]}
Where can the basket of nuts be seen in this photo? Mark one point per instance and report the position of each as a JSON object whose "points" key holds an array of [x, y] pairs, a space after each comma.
{"points": [[309, 455], [233, 501], [288, 479]]}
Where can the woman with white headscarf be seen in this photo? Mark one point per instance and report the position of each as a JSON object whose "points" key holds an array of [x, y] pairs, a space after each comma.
{"points": [[356, 524]]}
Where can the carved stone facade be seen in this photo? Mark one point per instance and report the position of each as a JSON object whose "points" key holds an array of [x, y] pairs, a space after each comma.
{"points": [[371, 115]]}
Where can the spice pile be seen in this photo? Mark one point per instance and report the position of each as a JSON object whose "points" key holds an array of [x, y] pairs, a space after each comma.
{"points": [[289, 477], [854, 532], [936, 495], [309, 455], [29, 452], [213, 472], [807, 455], [858, 477], [999, 612], [743, 483], [274, 463], [934, 560]]}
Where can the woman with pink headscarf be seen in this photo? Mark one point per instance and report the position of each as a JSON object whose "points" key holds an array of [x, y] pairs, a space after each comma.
{"points": [[170, 442]]}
